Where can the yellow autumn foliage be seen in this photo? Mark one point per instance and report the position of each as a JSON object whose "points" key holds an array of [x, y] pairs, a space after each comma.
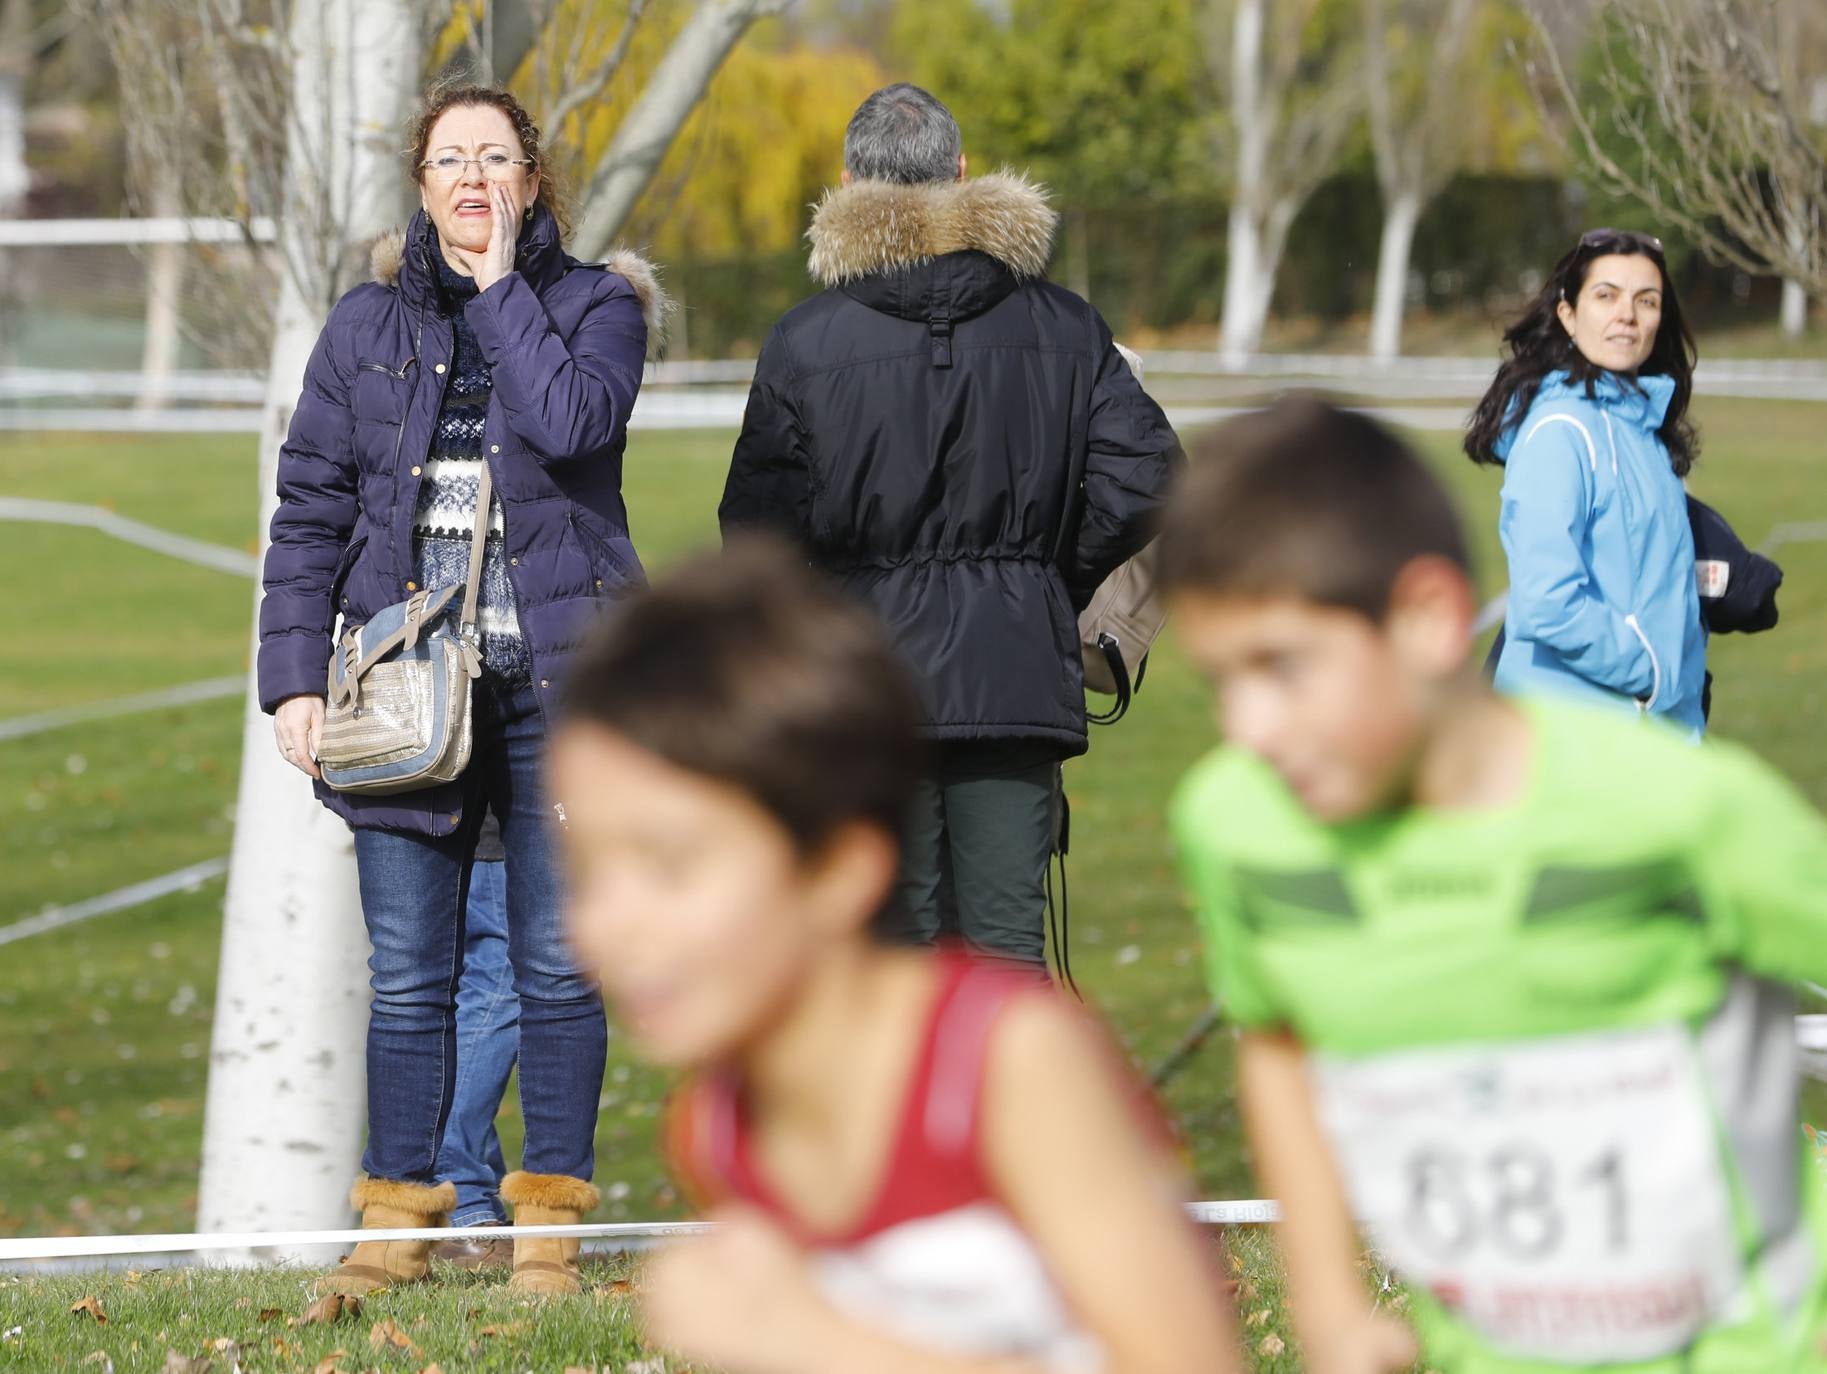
{"points": [[760, 147]]}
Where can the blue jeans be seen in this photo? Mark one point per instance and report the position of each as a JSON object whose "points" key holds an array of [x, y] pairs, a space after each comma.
{"points": [[414, 892], [488, 1037]]}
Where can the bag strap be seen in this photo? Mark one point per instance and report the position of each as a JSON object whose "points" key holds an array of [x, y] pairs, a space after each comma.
{"points": [[1119, 672], [478, 540]]}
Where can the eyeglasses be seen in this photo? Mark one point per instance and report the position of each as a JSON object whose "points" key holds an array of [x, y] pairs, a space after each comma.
{"points": [[1596, 238], [495, 166]]}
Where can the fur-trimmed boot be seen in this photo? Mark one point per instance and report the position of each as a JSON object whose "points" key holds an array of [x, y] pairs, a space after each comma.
{"points": [[377, 1264], [543, 1265]]}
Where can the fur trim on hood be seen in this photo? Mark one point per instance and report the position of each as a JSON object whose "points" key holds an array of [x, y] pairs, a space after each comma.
{"points": [[657, 308], [877, 226]]}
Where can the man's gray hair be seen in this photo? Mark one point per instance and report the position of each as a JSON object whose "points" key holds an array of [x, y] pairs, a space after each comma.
{"points": [[902, 134]]}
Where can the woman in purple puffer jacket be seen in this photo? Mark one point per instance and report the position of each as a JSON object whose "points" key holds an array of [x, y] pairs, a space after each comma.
{"points": [[480, 341]]}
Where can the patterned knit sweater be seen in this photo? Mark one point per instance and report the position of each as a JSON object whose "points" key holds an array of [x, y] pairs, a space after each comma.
{"points": [[452, 481]]}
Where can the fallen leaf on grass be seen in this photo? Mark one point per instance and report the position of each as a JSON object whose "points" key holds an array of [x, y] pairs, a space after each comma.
{"points": [[327, 1365], [386, 1332], [331, 1307], [504, 1329], [433, 1368], [183, 1364], [100, 1357], [1272, 1344], [90, 1307], [269, 1314], [1258, 1317]]}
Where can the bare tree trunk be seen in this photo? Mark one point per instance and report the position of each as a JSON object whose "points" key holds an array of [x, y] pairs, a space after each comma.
{"points": [[673, 90], [1414, 131], [287, 1104], [164, 291], [1291, 110], [15, 176], [1246, 294], [1794, 308], [1240, 329], [1795, 294], [1400, 217]]}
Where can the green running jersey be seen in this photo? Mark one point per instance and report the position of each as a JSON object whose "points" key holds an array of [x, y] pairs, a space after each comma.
{"points": [[1551, 1044]]}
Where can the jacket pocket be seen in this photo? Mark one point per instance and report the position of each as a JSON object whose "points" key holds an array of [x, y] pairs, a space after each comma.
{"points": [[1655, 665], [344, 566], [624, 568], [381, 392]]}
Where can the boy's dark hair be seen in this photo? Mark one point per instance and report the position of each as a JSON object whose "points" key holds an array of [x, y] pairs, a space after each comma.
{"points": [[1309, 500], [748, 668]]}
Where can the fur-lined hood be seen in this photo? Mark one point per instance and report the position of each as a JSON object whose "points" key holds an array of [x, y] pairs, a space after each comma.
{"points": [[877, 226], [389, 252]]}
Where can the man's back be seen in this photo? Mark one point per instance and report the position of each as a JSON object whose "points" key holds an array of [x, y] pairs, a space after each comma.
{"points": [[924, 428]]}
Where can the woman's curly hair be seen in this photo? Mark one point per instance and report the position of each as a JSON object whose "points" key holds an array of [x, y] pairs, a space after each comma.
{"points": [[457, 94]]}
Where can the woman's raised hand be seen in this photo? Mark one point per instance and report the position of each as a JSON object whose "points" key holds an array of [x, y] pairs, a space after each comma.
{"points": [[497, 260], [298, 726]]}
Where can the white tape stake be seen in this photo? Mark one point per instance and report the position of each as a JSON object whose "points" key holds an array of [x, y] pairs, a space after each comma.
{"points": [[69, 1247], [1246, 1213]]}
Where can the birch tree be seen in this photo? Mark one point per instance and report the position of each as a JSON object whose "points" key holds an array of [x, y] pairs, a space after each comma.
{"points": [[16, 53], [287, 1102], [1702, 111], [1415, 74], [668, 97], [15, 62], [1795, 293], [1293, 103]]}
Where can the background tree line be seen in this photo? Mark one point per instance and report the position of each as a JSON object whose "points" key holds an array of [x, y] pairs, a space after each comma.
{"points": [[1214, 158]]}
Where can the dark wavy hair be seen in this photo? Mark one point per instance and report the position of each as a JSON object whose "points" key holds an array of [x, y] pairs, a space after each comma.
{"points": [[1538, 344], [449, 95]]}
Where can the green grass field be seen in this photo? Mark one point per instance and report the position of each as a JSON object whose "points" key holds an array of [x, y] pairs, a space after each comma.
{"points": [[104, 1026]]}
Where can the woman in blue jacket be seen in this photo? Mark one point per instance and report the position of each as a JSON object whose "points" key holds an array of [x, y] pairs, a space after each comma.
{"points": [[481, 345], [1588, 418]]}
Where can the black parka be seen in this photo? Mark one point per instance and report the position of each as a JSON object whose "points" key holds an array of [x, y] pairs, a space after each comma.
{"points": [[959, 442]]}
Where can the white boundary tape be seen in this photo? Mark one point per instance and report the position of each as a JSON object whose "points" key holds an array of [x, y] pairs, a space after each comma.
{"points": [[118, 900], [189, 693], [1243, 1213], [197, 551]]}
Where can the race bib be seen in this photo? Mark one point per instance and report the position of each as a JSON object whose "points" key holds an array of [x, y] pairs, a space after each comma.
{"points": [[1562, 1197]]}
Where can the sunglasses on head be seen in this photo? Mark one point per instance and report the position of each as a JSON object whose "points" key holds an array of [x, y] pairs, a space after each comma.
{"points": [[1598, 238]]}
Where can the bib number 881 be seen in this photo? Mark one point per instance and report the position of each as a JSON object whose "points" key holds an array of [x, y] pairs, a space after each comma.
{"points": [[1515, 1199]]}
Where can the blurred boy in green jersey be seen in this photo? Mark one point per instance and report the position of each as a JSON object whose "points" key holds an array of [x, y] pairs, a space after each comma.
{"points": [[1510, 976]]}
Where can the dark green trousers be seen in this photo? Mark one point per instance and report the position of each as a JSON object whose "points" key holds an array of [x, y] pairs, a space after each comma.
{"points": [[976, 851]]}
